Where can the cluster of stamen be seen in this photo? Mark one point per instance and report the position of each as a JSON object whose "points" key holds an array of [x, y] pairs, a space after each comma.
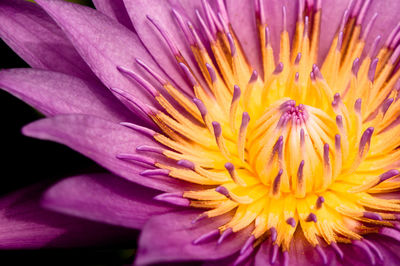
{"points": [[316, 168]]}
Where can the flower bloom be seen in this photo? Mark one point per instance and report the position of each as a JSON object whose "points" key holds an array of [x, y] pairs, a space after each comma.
{"points": [[264, 133]]}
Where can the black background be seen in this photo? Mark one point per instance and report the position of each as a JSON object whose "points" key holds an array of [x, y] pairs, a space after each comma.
{"points": [[26, 161]]}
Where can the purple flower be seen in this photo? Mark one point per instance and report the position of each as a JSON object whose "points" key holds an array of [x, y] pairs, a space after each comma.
{"points": [[234, 132]]}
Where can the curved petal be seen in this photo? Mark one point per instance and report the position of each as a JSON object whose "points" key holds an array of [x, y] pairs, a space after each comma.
{"points": [[169, 237], [34, 36], [103, 43], [24, 224], [161, 12], [104, 198], [114, 9], [55, 93], [101, 141]]}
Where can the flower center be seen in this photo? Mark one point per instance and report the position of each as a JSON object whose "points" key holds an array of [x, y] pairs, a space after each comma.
{"points": [[317, 167]]}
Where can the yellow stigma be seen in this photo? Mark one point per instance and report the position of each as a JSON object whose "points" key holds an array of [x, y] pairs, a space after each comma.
{"points": [[297, 147]]}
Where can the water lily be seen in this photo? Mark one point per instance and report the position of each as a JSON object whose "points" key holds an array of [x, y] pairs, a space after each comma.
{"points": [[234, 132]]}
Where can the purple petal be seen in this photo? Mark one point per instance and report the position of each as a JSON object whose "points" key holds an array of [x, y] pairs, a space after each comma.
{"points": [[169, 237], [243, 19], [103, 43], [388, 18], [104, 198], [300, 253], [332, 13], [161, 11], [55, 93], [102, 141], [114, 9], [24, 224], [34, 36]]}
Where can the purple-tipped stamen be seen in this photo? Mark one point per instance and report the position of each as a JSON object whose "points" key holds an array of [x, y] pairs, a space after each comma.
{"points": [[243, 256], [196, 39], [144, 130], [300, 178], [188, 74], [273, 234], [368, 28], [357, 105], [322, 254], [337, 143], [206, 9], [182, 25], [186, 164], [136, 158], [389, 174], [372, 70], [339, 122], [291, 221], [356, 66], [340, 41], [174, 198], [200, 218], [236, 93], [278, 69], [372, 216], [284, 18], [365, 139], [311, 218], [254, 76], [395, 55], [386, 104], [217, 129], [200, 106], [267, 37], [224, 235], [172, 46], [211, 72], [249, 242], [320, 201], [326, 154], [155, 172], [207, 237], [211, 31], [374, 248], [223, 22], [245, 121], [134, 102], [363, 12], [232, 45], [274, 253], [365, 248], [285, 258], [374, 47], [389, 232], [277, 182], [222, 190], [337, 250], [298, 58], [155, 75], [147, 148]]}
